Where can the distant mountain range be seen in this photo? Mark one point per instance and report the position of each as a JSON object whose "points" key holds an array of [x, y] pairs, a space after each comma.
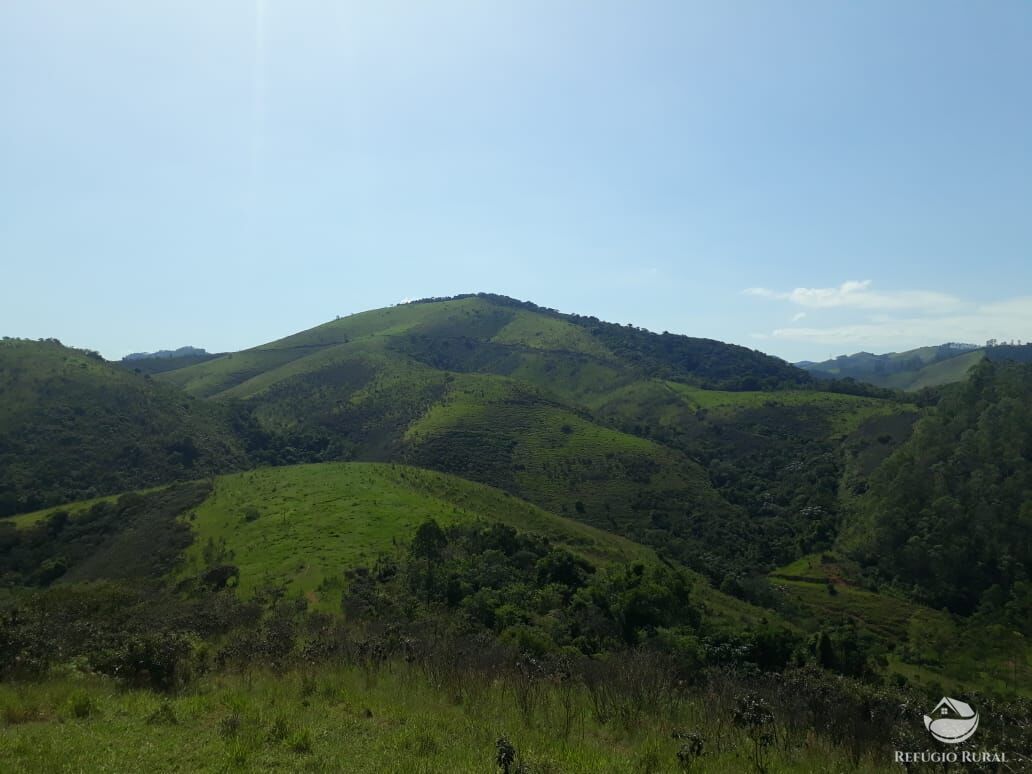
{"points": [[166, 353], [165, 359], [916, 368]]}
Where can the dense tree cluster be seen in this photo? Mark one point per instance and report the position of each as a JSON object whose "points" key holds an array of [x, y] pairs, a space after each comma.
{"points": [[137, 536], [951, 511], [541, 599], [73, 427]]}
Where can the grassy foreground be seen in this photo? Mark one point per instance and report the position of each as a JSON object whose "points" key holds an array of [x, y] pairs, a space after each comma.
{"points": [[396, 719]]}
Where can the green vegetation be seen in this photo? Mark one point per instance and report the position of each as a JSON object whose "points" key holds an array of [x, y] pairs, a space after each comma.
{"points": [[25, 520], [481, 533], [479, 646], [74, 427], [297, 528], [159, 363], [955, 369], [605, 424], [948, 516], [404, 717], [842, 413], [917, 369], [830, 593], [135, 536]]}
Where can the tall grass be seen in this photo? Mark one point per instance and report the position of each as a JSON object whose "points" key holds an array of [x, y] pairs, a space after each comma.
{"points": [[425, 715]]}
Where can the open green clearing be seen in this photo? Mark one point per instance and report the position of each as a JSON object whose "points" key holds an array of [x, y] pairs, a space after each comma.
{"points": [[302, 526]]}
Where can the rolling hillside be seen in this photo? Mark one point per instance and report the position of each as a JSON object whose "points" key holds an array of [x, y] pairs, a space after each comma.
{"points": [[73, 426], [535, 481], [911, 370], [607, 424], [299, 527], [496, 334], [294, 530]]}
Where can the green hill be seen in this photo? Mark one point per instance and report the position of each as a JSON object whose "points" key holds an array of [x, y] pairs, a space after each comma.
{"points": [[948, 515], [604, 423], [295, 530], [496, 334], [298, 527], [485, 479], [610, 425], [948, 371], [910, 370], [917, 369], [73, 426]]}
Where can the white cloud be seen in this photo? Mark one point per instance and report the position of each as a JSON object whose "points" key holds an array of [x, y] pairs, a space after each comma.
{"points": [[856, 294], [895, 320], [1008, 319]]}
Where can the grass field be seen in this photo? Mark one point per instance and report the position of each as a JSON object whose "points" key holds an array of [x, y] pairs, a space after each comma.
{"points": [[539, 332], [316, 521], [349, 720], [302, 526]]}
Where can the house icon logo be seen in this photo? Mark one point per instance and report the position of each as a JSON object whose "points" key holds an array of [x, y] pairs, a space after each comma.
{"points": [[952, 721]]}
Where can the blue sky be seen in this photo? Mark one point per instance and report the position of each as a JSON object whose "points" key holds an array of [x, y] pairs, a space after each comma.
{"points": [[805, 178]]}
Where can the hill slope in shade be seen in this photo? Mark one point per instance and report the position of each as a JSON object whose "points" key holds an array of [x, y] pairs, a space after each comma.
{"points": [[73, 426]]}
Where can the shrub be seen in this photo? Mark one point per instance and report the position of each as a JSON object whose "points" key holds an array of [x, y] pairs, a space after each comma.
{"points": [[81, 705], [505, 754], [691, 748], [163, 660]]}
